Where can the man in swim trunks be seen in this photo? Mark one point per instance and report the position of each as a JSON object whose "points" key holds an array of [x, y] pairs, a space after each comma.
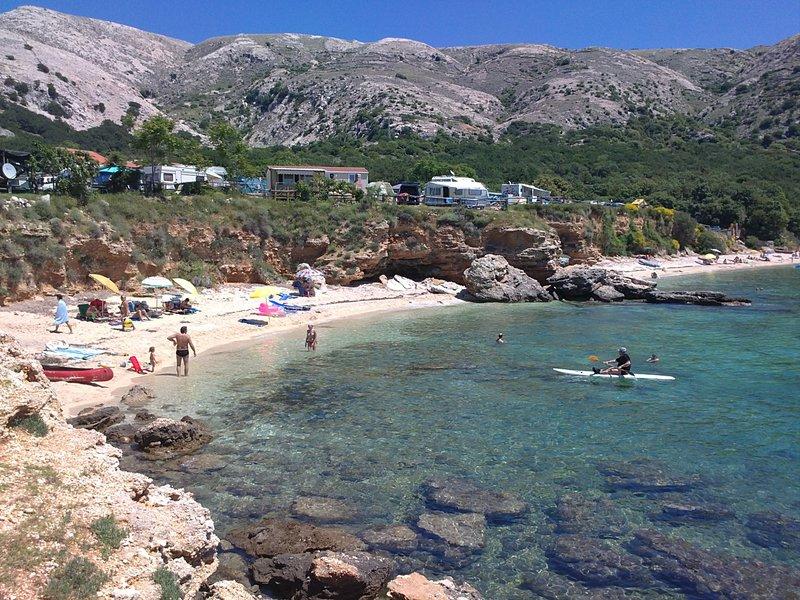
{"points": [[622, 364], [182, 343]]}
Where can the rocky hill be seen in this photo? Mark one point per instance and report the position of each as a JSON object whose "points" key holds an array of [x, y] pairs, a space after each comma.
{"points": [[288, 88]]}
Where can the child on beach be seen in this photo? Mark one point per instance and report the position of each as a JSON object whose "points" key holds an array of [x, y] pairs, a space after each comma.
{"points": [[153, 360]]}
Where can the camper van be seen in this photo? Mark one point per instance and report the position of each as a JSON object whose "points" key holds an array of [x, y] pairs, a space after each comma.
{"points": [[172, 177], [446, 190]]}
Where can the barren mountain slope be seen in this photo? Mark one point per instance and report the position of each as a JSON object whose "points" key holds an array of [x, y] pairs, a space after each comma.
{"points": [[84, 70], [289, 88]]}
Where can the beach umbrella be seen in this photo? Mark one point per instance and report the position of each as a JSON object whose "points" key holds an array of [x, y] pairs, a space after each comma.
{"points": [[709, 256], [186, 285], [105, 282], [265, 292], [157, 282]]}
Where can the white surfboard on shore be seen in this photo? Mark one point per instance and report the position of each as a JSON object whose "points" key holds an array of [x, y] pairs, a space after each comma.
{"points": [[633, 377]]}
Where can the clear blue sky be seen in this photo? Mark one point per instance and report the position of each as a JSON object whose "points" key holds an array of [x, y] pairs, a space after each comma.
{"points": [[567, 23]]}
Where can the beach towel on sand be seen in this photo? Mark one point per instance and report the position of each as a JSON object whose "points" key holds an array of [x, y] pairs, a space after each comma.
{"points": [[256, 322]]}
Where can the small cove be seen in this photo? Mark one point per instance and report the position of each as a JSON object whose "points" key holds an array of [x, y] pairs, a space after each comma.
{"points": [[387, 402]]}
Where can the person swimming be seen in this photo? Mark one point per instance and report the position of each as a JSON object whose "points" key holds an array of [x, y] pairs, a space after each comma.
{"points": [[653, 359], [500, 339]]}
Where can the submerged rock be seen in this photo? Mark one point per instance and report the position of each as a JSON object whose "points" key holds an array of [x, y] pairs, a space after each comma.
{"points": [[578, 513], [491, 279], [464, 530], [165, 438], [700, 573], [418, 587], [700, 298], [347, 576], [551, 586], [454, 493], [98, 419], [645, 475], [230, 566], [138, 395], [596, 562], [774, 530], [272, 537], [325, 510], [393, 538], [682, 512]]}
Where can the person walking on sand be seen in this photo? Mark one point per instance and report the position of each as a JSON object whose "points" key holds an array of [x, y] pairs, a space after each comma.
{"points": [[153, 359], [182, 342], [311, 338], [62, 315]]}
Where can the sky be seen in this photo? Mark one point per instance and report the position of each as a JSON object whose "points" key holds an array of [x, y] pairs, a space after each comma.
{"points": [[566, 23]]}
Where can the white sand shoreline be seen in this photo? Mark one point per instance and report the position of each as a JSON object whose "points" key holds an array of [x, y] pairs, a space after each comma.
{"points": [[217, 328]]}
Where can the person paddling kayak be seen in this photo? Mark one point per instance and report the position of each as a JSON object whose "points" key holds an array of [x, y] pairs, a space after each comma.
{"points": [[622, 365]]}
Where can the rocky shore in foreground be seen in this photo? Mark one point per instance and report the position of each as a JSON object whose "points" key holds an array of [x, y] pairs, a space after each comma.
{"points": [[75, 525]]}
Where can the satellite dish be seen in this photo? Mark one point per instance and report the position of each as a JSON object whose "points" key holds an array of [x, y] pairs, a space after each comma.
{"points": [[9, 171]]}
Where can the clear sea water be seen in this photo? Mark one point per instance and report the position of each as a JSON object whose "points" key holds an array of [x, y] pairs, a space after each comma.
{"points": [[386, 402]]}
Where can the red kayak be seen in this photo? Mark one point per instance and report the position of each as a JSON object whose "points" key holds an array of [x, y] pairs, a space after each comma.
{"points": [[78, 374]]}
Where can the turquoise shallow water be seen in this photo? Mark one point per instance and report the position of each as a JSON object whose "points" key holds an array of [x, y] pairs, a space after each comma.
{"points": [[385, 403]]}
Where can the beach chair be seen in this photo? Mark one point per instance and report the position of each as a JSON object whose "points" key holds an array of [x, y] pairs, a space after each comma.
{"points": [[136, 366]]}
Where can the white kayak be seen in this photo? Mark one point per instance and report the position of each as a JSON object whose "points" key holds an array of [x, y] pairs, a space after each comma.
{"points": [[633, 377]]}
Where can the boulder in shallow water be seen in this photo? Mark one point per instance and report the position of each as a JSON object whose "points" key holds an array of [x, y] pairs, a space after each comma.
{"points": [[703, 574], [396, 539], [271, 537], [121, 433], [98, 419], [165, 438], [138, 395], [455, 493], [418, 587], [548, 585], [347, 576], [463, 530], [594, 283], [774, 530], [596, 562], [283, 574], [699, 298], [491, 279]]}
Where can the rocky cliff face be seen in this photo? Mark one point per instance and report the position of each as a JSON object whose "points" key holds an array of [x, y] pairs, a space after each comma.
{"points": [[406, 247], [288, 88], [66, 507]]}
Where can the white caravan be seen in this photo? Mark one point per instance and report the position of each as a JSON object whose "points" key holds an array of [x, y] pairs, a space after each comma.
{"points": [[446, 190]]}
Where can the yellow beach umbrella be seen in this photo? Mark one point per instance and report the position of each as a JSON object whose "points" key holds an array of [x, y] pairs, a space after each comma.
{"points": [[265, 292], [709, 256], [105, 282], [186, 285]]}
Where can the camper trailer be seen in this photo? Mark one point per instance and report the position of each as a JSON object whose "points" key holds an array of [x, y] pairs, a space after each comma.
{"points": [[172, 177], [523, 193], [447, 190]]}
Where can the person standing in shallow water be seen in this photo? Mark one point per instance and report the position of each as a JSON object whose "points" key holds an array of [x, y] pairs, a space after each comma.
{"points": [[182, 343], [311, 338]]}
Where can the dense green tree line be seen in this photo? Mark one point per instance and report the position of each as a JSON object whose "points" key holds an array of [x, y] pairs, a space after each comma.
{"points": [[674, 162]]}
